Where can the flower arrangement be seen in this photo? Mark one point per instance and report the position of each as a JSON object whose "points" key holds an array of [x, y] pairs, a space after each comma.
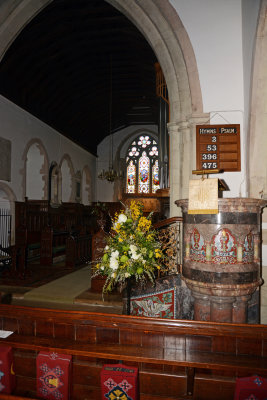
{"points": [[132, 249]]}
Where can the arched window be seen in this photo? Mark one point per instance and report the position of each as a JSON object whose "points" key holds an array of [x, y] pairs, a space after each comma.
{"points": [[142, 166]]}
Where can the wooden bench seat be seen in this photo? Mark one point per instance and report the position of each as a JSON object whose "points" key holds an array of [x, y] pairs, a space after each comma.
{"points": [[33, 251], [192, 359], [53, 245], [58, 249]]}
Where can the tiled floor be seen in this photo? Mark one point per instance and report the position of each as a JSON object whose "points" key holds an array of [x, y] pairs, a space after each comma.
{"points": [[264, 297]]}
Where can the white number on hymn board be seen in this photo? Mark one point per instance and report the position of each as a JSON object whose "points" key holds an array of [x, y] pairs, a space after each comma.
{"points": [[209, 165], [206, 156], [211, 147]]}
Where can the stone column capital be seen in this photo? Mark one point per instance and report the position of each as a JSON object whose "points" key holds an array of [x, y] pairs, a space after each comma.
{"points": [[188, 122], [198, 118]]}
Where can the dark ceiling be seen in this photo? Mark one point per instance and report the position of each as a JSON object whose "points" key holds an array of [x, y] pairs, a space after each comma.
{"points": [[60, 67]]}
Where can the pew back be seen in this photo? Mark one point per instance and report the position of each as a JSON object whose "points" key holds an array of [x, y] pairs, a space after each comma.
{"points": [[176, 359]]}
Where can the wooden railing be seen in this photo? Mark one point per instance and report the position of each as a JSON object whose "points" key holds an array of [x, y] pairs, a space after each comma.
{"points": [[170, 233]]}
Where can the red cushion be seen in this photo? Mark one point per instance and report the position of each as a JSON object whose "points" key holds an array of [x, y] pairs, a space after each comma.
{"points": [[53, 373], [119, 381], [251, 388], [7, 375]]}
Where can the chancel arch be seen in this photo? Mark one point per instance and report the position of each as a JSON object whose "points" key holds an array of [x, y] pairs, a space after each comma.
{"points": [[164, 31]]}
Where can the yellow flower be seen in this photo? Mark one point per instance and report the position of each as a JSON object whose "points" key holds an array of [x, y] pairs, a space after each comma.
{"points": [[158, 253], [135, 210], [120, 239], [144, 224], [117, 227]]}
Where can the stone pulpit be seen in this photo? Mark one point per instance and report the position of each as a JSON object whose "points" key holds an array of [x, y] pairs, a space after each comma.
{"points": [[222, 259]]}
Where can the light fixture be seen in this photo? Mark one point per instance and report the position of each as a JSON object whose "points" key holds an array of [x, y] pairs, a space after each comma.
{"points": [[110, 175]]}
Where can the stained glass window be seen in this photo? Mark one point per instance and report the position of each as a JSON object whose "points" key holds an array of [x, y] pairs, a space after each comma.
{"points": [[142, 166], [143, 178], [131, 177], [155, 176]]}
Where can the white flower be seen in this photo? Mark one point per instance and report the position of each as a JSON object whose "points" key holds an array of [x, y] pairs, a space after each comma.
{"points": [[113, 275], [127, 274], [122, 218], [136, 256], [133, 248], [102, 268], [114, 254], [106, 248], [114, 264]]}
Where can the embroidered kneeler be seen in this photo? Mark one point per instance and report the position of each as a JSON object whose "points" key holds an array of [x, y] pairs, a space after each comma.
{"points": [[119, 381], [253, 387], [7, 375], [53, 374]]}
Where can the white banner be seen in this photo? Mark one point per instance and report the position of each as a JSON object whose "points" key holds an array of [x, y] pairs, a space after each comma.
{"points": [[203, 196]]}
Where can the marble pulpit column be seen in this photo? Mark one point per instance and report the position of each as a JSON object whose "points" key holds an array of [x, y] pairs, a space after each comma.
{"points": [[221, 258]]}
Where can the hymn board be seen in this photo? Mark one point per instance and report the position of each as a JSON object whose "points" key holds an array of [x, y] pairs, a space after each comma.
{"points": [[218, 147]]}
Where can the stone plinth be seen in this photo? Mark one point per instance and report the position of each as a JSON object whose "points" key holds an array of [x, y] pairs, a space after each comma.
{"points": [[221, 258]]}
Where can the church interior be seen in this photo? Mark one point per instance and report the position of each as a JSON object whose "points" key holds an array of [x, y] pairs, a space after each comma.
{"points": [[128, 121]]}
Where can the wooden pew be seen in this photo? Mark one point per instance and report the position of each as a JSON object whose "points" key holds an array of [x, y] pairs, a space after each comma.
{"points": [[176, 359], [78, 249], [53, 244], [27, 248]]}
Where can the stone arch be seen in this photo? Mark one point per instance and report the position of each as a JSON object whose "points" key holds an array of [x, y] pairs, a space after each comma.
{"points": [[163, 29], [160, 25], [11, 198], [68, 179], [43, 168]]}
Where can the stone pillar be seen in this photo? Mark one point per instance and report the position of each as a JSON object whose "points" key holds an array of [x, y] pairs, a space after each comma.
{"points": [[240, 309], [176, 148], [182, 155], [201, 307], [221, 308]]}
